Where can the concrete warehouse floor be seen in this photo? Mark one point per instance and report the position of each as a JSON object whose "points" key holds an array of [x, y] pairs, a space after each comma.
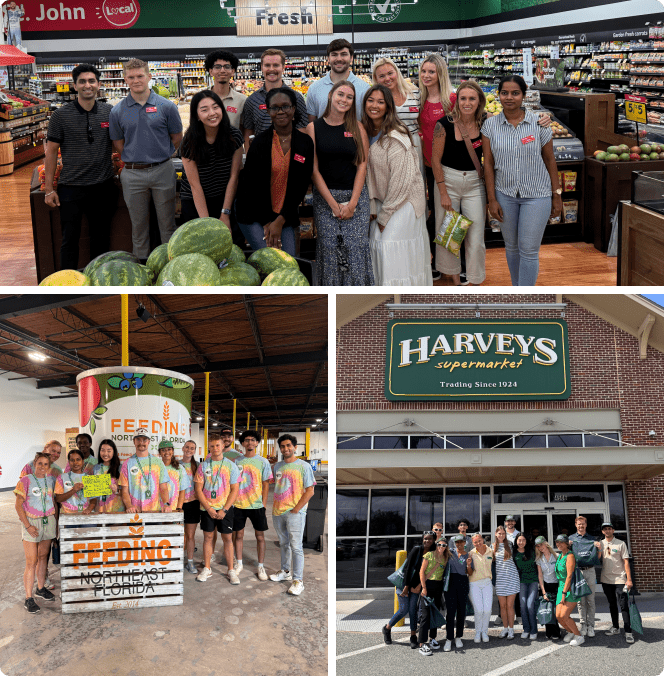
{"points": [[252, 629]]}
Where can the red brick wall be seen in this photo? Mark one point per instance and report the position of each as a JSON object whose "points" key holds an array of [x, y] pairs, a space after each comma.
{"points": [[606, 372]]}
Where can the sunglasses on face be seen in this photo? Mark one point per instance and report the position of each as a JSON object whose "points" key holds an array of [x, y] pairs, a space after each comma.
{"points": [[428, 532], [441, 544], [438, 530]]}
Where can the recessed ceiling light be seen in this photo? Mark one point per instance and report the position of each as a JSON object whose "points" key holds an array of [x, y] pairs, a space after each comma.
{"points": [[319, 419], [215, 424], [37, 356], [314, 425], [199, 417]]}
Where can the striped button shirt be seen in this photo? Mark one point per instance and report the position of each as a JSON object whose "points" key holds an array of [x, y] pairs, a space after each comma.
{"points": [[517, 155], [409, 111]]}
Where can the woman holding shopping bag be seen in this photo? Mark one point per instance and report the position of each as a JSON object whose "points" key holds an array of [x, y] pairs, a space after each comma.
{"points": [[432, 575], [545, 558], [565, 601]]}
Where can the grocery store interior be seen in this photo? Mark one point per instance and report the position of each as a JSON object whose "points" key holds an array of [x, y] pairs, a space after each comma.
{"points": [[595, 66]]}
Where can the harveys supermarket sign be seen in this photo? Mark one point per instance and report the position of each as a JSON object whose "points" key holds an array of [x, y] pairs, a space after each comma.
{"points": [[121, 561], [80, 15], [477, 360]]}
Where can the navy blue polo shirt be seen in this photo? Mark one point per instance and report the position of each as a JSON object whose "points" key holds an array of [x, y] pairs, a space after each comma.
{"points": [[145, 129]]}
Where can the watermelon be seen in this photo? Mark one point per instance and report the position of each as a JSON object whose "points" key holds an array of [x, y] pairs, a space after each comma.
{"points": [[67, 278], [189, 270], [239, 274], [286, 277], [157, 259], [207, 236], [236, 255], [120, 273], [149, 274], [106, 258], [268, 260]]}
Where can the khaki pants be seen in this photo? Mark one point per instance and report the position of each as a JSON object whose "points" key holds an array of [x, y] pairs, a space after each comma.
{"points": [[586, 605]]}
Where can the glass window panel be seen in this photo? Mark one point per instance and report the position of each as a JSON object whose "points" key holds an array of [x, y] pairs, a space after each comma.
{"points": [[530, 441], [617, 507], [497, 441], [360, 442], [486, 509], [462, 503], [352, 512], [601, 441], [594, 526], [350, 563], [565, 440], [463, 442], [427, 442], [577, 493], [535, 525], [382, 560], [519, 494], [388, 512], [563, 524], [425, 507], [390, 442]]}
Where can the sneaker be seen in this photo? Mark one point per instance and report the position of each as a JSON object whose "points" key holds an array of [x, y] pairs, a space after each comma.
{"points": [[458, 643], [48, 584], [485, 637], [447, 647], [191, 568], [387, 635], [503, 633], [629, 637], [425, 650], [31, 606], [591, 632], [281, 576], [613, 631], [582, 630], [204, 574], [525, 635], [232, 576], [238, 567], [262, 575], [568, 637], [579, 640], [435, 275], [533, 637], [44, 594], [510, 634], [296, 588], [413, 642], [433, 644]]}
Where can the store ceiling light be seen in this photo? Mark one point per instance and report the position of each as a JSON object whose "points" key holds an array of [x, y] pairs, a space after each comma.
{"points": [[37, 356], [319, 419], [199, 418], [142, 313], [215, 424], [314, 425]]}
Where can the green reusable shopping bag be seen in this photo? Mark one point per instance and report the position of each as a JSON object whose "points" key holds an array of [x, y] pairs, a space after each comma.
{"points": [[436, 617], [545, 611], [634, 614], [452, 232], [396, 578], [579, 587]]}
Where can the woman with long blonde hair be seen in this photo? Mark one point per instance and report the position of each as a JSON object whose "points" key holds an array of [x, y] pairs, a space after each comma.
{"points": [[507, 581], [545, 558]]}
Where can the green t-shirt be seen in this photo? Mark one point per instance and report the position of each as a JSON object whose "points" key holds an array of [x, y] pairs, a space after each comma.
{"points": [[527, 569], [438, 575]]}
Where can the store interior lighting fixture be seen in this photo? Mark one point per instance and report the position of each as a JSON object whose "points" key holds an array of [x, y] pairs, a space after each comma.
{"points": [[37, 356]]}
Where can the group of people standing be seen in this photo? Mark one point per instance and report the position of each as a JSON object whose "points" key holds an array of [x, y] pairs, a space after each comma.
{"points": [[220, 493], [441, 576], [387, 162]]}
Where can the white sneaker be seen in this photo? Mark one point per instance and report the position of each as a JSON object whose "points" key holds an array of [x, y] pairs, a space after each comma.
{"points": [[525, 635], [238, 567], [281, 576], [204, 575], [533, 637], [591, 632], [232, 576], [262, 575], [447, 647], [296, 588], [510, 633], [568, 637], [582, 630], [478, 637], [485, 637], [503, 633], [629, 637], [458, 643], [425, 650], [579, 640], [613, 631]]}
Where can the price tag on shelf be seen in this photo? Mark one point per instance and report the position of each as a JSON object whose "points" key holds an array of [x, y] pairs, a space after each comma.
{"points": [[635, 111], [62, 87]]}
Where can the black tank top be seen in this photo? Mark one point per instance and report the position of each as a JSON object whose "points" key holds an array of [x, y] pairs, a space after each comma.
{"points": [[335, 150], [455, 153]]}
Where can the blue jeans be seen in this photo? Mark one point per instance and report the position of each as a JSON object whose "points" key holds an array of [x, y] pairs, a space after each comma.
{"points": [[407, 606], [254, 234], [528, 598], [290, 530], [524, 221]]}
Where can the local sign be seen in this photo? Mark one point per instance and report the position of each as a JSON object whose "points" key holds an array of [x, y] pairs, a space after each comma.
{"points": [[477, 360]]}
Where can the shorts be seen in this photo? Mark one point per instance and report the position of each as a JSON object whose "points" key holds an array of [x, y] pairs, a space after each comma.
{"points": [[256, 516], [224, 526], [192, 511], [46, 531]]}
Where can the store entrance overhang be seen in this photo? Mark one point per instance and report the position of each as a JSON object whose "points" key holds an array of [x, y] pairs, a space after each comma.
{"points": [[488, 466]]}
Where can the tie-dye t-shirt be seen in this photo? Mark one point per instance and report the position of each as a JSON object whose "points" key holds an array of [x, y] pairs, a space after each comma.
{"points": [[31, 488], [253, 471], [109, 504], [77, 502], [55, 471], [189, 493], [217, 476], [143, 482], [290, 481], [88, 465], [179, 481], [233, 455]]}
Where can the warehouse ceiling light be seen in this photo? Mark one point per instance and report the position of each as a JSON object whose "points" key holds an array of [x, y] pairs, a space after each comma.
{"points": [[199, 418], [142, 313], [37, 356]]}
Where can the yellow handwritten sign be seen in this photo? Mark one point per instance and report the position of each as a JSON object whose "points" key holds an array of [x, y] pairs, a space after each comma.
{"points": [[97, 485], [61, 86]]}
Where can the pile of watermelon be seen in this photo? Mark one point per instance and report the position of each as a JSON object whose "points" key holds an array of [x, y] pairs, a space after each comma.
{"points": [[200, 253]]}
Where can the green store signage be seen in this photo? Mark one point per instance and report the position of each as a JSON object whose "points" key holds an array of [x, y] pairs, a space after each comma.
{"points": [[477, 360]]}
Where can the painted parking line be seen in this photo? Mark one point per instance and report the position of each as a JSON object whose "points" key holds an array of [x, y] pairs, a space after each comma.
{"points": [[364, 650], [525, 660]]}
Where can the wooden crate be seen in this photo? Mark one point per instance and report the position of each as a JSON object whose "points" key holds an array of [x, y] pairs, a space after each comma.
{"points": [[642, 247], [121, 561]]}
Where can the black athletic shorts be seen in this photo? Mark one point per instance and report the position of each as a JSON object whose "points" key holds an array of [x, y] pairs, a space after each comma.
{"points": [[256, 516], [225, 525], [192, 511]]}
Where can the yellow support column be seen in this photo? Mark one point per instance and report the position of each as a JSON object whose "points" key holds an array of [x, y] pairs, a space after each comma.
{"points": [[307, 441], [207, 410], [124, 304], [265, 440], [234, 417], [248, 419], [401, 557]]}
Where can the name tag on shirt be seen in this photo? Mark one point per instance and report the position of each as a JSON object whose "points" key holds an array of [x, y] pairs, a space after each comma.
{"points": [[414, 109], [348, 134], [262, 106], [477, 144], [230, 109], [298, 158], [527, 139], [151, 109], [104, 125]]}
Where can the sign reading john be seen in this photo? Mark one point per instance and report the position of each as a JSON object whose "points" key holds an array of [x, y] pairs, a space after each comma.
{"points": [[477, 360]]}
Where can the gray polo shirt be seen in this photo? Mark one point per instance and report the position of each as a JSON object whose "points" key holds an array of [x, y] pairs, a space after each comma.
{"points": [[319, 92], [145, 129]]}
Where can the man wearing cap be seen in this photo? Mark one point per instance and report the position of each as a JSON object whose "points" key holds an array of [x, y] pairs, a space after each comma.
{"points": [[228, 442], [462, 527], [144, 480], [616, 579], [255, 475], [586, 552], [177, 474]]}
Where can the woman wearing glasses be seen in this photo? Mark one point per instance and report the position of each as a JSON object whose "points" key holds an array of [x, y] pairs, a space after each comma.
{"points": [[409, 595], [545, 559], [566, 603], [211, 160], [507, 581], [431, 577], [275, 178]]}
